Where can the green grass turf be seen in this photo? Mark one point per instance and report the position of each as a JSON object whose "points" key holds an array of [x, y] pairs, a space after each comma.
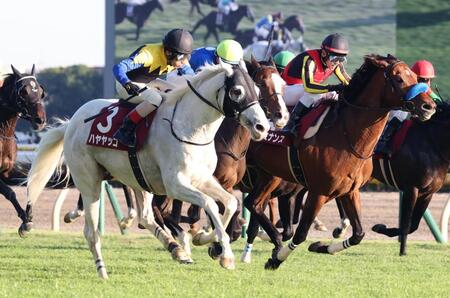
{"points": [[60, 265]]}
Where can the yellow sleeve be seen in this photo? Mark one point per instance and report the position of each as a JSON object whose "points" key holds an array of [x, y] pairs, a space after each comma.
{"points": [[342, 75], [144, 57]]}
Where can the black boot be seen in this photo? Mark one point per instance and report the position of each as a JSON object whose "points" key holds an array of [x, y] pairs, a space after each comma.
{"points": [[383, 143], [298, 112], [126, 134]]}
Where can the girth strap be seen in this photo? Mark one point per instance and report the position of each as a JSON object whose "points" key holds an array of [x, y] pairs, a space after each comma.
{"points": [[132, 156]]}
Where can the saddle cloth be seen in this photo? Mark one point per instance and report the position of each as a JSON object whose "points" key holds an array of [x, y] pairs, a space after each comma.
{"points": [[397, 140], [105, 125], [308, 127]]}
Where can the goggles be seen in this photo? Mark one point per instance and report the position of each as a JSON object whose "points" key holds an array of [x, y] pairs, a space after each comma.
{"points": [[336, 59], [178, 56]]}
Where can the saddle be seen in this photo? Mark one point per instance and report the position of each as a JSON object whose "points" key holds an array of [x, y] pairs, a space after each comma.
{"points": [[106, 124], [308, 127]]}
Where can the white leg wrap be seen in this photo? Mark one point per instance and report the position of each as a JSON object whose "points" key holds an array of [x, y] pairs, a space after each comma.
{"points": [[285, 251], [337, 247]]}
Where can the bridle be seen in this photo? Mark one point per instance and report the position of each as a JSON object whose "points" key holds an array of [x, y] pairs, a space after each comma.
{"points": [[234, 111], [261, 86], [17, 103], [395, 88]]}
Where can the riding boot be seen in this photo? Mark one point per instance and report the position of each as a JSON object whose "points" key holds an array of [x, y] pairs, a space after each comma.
{"points": [[383, 143], [126, 134], [297, 113]]}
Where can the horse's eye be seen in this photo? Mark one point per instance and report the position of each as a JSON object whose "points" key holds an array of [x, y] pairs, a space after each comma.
{"points": [[237, 93]]}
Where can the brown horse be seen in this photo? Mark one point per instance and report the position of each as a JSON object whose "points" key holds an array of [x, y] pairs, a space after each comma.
{"points": [[336, 162], [417, 174], [232, 141], [21, 96]]}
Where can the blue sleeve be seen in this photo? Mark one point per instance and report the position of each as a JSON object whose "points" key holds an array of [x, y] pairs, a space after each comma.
{"points": [[185, 69], [120, 70], [201, 57]]}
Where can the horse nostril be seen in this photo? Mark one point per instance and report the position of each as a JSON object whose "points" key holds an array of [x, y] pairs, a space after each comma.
{"points": [[427, 107], [278, 115], [259, 127], [38, 120]]}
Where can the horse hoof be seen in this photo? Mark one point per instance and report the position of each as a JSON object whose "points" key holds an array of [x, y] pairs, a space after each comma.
{"points": [[272, 264], [337, 233], [179, 255], [71, 216], [140, 226], [318, 247], [379, 228], [215, 250], [246, 257], [200, 238], [227, 263], [25, 229], [320, 227], [102, 273]]}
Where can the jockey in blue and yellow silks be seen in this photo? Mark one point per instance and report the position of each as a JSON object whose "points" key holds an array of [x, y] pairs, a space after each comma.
{"points": [[265, 25], [142, 66]]}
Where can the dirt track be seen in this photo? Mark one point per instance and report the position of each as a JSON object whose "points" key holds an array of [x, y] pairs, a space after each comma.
{"points": [[377, 207]]}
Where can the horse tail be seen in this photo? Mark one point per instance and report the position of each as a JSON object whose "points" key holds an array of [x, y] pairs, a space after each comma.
{"points": [[47, 160]]}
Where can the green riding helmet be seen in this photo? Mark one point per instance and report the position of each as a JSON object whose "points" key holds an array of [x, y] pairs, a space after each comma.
{"points": [[282, 59]]}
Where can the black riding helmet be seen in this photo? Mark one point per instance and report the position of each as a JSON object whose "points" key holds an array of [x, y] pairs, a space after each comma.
{"points": [[335, 44], [178, 40]]}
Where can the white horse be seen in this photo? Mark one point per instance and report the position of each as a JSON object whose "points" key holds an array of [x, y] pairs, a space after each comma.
{"points": [[178, 159]]}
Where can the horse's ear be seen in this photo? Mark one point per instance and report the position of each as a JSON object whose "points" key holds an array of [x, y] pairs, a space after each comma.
{"points": [[254, 62], [32, 70], [271, 62], [15, 71]]}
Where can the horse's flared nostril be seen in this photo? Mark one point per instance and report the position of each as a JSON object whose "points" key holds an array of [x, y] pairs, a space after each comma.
{"points": [[427, 107], [278, 115], [259, 127]]}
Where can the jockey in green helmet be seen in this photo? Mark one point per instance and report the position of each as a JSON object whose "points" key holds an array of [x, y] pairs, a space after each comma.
{"points": [[282, 59], [230, 51]]}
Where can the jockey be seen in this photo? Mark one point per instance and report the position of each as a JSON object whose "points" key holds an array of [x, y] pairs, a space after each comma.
{"points": [[305, 74], [142, 66], [228, 50], [265, 25], [223, 9], [425, 74], [282, 59]]}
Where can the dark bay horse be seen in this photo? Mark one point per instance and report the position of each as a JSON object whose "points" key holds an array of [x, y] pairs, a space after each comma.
{"points": [[419, 169], [336, 162], [140, 13], [21, 96], [231, 142], [231, 21]]}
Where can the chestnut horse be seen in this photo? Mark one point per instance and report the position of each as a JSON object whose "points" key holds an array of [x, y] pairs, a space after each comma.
{"points": [[231, 142], [416, 174], [21, 96], [336, 162]]}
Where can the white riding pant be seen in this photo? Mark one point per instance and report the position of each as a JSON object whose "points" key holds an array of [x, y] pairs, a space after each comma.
{"points": [[296, 93], [151, 95], [399, 114]]}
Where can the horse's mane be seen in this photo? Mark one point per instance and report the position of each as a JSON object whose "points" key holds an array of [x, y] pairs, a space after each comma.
{"points": [[8, 81], [206, 74], [360, 78]]}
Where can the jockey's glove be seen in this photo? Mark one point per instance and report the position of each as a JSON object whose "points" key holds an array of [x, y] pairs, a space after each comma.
{"points": [[132, 89], [338, 88]]}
